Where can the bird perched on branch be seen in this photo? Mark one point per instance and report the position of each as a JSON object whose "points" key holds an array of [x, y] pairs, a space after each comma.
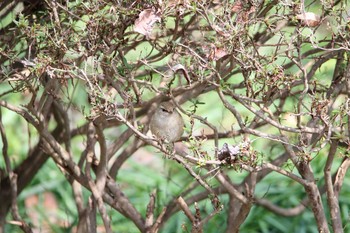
{"points": [[167, 123]]}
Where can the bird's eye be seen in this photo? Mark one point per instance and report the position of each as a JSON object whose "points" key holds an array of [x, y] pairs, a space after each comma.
{"points": [[163, 110]]}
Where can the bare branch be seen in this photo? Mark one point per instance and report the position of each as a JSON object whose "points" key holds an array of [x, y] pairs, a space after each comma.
{"points": [[332, 199]]}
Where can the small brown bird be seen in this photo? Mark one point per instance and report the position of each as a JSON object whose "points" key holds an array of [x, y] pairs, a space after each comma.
{"points": [[167, 123]]}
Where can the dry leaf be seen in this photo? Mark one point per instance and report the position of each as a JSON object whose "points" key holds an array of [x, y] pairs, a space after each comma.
{"points": [[237, 7], [214, 53], [309, 19], [242, 12], [219, 53], [144, 24]]}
